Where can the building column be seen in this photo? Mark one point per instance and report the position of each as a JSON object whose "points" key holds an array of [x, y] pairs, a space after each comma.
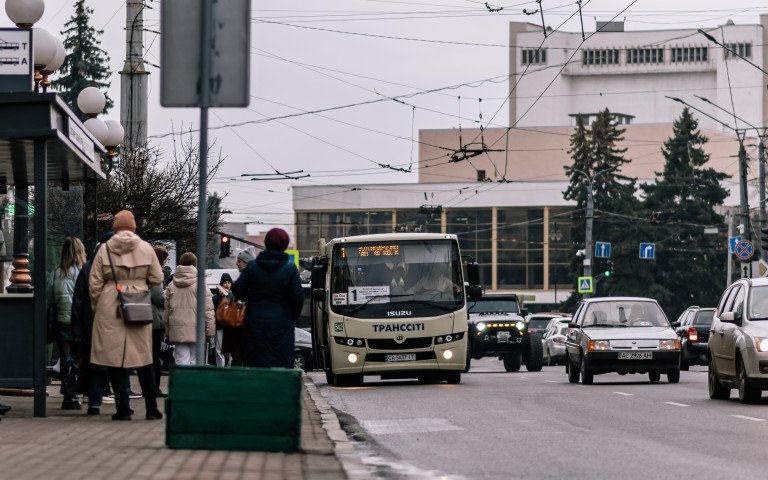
{"points": [[546, 248], [494, 249], [443, 223]]}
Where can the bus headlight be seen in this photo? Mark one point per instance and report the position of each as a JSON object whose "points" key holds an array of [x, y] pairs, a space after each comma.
{"points": [[448, 354], [352, 358]]}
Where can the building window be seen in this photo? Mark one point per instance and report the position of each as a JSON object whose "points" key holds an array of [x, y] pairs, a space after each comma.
{"points": [[645, 55], [520, 240], [534, 55], [481, 175], [600, 57], [474, 229], [689, 54], [742, 49]]}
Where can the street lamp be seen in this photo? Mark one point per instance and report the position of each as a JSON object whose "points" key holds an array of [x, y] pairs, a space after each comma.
{"points": [[109, 133], [555, 236], [24, 13], [44, 49]]}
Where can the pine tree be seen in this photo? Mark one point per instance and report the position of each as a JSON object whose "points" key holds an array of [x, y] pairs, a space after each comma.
{"points": [[86, 65], [690, 266]]}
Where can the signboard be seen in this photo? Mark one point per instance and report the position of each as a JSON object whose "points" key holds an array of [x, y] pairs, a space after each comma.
{"points": [[732, 241], [602, 249], [648, 251], [585, 285], [15, 60], [293, 256], [230, 53], [744, 250], [369, 294]]}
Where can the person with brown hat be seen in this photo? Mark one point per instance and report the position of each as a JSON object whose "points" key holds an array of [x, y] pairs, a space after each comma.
{"points": [[115, 344], [272, 290]]}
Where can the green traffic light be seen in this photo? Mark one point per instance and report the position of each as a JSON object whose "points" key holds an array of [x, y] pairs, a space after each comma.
{"points": [[608, 273]]}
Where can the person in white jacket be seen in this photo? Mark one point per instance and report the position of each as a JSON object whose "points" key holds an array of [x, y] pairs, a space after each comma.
{"points": [[180, 316]]}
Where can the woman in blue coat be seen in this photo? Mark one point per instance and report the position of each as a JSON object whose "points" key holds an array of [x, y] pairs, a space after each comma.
{"points": [[271, 288]]}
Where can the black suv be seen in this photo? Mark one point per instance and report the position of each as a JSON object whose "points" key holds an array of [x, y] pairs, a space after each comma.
{"points": [[692, 327], [497, 329]]}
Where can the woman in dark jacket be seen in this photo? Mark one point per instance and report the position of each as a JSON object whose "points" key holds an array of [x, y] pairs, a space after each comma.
{"points": [[272, 290]]}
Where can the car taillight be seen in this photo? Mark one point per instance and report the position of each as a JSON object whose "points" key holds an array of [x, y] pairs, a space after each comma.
{"points": [[559, 339], [693, 335]]}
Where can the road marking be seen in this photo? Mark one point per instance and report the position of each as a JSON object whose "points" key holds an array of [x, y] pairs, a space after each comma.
{"points": [[523, 378], [754, 419], [408, 425], [677, 404], [551, 381], [624, 393]]}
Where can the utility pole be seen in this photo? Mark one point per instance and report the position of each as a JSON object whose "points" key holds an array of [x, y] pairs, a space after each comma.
{"points": [[761, 187], [134, 78], [588, 236], [728, 259]]}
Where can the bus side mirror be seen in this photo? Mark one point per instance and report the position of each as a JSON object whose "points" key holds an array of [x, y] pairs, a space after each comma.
{"points": [[318, 276], [318, 294], [474, 292], [473, 274]]}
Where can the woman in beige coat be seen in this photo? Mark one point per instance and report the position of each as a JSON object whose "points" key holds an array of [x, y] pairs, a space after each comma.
{"points": [[115, 345], [180, 314]]}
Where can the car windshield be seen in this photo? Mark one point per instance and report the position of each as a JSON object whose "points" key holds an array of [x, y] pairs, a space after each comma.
{"points": [[628, 313], [758, 302], [494, 306], [704, 318], [303, 336], [368, 278], [536, 323]]}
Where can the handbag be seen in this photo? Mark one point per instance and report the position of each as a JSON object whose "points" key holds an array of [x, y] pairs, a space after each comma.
{"points": [[134, 308], [231, 314]]}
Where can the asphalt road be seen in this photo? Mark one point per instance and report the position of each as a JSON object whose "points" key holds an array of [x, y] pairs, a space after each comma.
{"points": [[536, 425]]}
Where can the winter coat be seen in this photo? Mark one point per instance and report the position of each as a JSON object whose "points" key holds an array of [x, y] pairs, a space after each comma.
{"points": [[157, 295], [114, 343], [180, 314], [82, 313], [62, 290], [271, 288]]}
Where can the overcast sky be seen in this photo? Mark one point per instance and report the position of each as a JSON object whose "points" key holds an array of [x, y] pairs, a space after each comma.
{"points": [[311, 55]]}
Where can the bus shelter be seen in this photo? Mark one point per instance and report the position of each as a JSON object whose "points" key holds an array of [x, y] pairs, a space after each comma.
{"points": [[42, 143]]}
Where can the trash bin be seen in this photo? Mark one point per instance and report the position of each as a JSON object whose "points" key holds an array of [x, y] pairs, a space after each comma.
{"points": [[235, 408]]}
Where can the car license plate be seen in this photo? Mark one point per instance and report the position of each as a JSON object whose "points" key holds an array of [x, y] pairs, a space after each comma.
{"points": [[502, 337], [400, 357], [635, 355]]}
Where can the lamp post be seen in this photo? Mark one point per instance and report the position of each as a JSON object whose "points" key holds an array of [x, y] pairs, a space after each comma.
{"points": [[555, 236]]}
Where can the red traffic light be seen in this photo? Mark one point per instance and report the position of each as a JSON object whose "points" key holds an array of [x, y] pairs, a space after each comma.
{"points": [[224, 239]]}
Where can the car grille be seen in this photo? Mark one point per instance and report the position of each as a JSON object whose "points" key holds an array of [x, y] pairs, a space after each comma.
{"points": [[634, 344], [409, 343]]}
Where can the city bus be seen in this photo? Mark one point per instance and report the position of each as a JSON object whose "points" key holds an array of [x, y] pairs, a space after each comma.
{"points": [[391, 305]]}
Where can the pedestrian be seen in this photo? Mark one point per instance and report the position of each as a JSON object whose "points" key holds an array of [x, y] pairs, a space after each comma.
{"points": [[181, 311], [61, 292], [223, 291], [158, 326], [233, 338], [115, 344], [271, 288]]}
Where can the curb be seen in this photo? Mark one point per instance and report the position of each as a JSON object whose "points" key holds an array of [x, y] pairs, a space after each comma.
{"points": [[343, 447]]}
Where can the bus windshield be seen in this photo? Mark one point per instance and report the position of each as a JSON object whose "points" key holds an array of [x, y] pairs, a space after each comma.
{"points": [[369, 278]]}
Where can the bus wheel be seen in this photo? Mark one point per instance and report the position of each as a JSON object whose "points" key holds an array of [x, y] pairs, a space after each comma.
{"points": [[350, 380], [469, 358], [330, 378], [453, 378]]}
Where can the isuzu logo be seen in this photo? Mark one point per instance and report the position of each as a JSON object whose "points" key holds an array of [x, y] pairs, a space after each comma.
{"points": [[399, 313]]}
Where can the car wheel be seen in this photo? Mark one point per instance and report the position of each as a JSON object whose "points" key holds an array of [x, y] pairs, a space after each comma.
{"points": [[683, 363], [573, 373], [716, 389], [673, 376], [300, 361], [654, 376], [747, 393], [548, 356], [587, 377], [534, 360], [453, 378], [512, 362]]}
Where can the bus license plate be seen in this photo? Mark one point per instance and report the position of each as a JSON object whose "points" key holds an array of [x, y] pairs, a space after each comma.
{"points": [[502, 337], [400, 357], [635, 355]]}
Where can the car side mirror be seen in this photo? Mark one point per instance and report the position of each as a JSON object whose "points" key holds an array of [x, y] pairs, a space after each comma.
{"points": [[729, 317], [573, 325], [675, 324], [523, 311]]}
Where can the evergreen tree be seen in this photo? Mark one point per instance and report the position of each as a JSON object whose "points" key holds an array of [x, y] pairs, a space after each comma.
{"points": [[690, 266], [86, 65]]}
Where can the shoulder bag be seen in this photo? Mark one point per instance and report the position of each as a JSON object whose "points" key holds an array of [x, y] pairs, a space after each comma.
{"points": [[231, 314], [134, 308]]}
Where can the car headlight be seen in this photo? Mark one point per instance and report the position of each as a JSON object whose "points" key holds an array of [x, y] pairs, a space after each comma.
{"points": [[598, 345], [669, 344], [762, 344], [520, 325], [480, 327]]}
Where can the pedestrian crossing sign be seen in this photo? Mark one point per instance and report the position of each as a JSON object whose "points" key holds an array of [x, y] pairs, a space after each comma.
{"points": [[585, 285]]}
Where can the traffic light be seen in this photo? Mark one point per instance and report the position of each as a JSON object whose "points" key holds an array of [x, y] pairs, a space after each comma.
{"points": [[224, 246], [764, 238], [608, 269]]}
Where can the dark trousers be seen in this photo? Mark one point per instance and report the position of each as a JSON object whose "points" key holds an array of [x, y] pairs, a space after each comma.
{"points": [[157, 340], [120, 382]]}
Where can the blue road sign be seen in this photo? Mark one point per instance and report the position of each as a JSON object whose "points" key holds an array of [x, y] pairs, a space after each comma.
{"points": [[744, 250], [602, 249], [648, 251], [732, 241]]}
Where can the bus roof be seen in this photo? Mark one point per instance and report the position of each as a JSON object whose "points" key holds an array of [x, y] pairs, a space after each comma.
{"points": [[383, 237]]}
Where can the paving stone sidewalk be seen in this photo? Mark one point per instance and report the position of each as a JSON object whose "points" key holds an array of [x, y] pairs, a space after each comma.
{"points": [[71, 444]]}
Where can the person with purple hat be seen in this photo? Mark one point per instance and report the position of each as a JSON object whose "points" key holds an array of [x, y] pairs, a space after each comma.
{"points": [[271, 288]]}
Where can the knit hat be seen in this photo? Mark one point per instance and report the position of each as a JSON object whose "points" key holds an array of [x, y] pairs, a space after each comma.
{"points": [[246, 255], [276, 239], [124, 220], [225, 277]]}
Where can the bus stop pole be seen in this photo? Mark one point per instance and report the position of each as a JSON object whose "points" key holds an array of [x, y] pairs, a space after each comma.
{"points": [[39, 347]]}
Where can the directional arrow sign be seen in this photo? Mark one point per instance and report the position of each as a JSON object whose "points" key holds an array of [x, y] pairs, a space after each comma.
{"points": [[648, 251], [602, 249], [732, 241]]}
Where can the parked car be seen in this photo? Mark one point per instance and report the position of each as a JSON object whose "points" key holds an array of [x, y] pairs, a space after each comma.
{"points": [[692, 327], [556, 322], [538, 322], [302, 353], [738, 342], [623, 335], [554, 343]]}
